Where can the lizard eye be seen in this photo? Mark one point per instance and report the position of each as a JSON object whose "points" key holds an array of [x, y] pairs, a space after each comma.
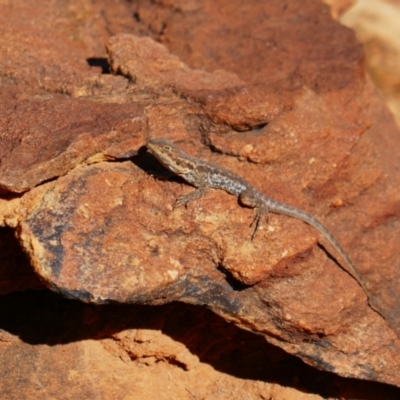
{"points": [[167, 147]]}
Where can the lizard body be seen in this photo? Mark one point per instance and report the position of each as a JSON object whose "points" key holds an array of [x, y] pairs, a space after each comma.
{"points": [[204, 175]]}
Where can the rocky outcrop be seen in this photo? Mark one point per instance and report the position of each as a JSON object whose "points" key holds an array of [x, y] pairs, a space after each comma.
{"points": [[294, 116]]}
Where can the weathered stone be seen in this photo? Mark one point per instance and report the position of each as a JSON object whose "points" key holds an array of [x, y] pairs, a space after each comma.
{"points": [[44, 137], [148, 63], [46, 49], [127, 245], [294, 116], [220, 94]]}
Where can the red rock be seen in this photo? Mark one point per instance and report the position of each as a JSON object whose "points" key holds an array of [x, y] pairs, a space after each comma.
{"points": [[62, 133], [280, 94]]}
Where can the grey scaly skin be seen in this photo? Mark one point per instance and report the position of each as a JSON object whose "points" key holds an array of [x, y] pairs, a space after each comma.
{"points": [[204, 175]]}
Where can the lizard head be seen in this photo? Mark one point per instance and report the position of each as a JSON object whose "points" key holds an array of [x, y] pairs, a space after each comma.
{"points": [[170, 156]]}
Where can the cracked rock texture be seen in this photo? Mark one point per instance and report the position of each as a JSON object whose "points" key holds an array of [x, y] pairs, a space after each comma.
{"points": [[276, 93]]}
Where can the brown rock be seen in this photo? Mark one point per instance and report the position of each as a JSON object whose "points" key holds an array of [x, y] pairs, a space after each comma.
{"points": [[148, 63], [296, 117], [47, 49], [127, 245], [45, 137], [221, 94]]}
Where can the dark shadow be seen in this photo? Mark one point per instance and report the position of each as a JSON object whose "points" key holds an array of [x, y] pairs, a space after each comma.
{"points": [[99, 62], [43, 317], [259, 126], [332, 257], [16, 273], [136, 17], [235, 284], [7, 195], [151, 166]]}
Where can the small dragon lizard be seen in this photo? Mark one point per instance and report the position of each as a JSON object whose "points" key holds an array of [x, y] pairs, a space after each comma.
{"points": [[204, 175]]}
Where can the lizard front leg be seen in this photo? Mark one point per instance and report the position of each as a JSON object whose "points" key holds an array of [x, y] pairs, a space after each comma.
{"points": [[187, 198]]}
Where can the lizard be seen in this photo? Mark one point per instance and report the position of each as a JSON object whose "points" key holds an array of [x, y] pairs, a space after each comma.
{"points": [[204, 175]]}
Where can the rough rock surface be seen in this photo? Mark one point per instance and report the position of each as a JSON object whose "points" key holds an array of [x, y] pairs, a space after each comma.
{"points": [[241, 85]]}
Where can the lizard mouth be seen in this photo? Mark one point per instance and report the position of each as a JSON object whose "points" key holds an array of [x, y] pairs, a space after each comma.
{"points": [[154, 150]]}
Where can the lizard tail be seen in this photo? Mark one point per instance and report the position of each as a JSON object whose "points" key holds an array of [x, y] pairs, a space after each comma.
{"points": [[285, 209]]}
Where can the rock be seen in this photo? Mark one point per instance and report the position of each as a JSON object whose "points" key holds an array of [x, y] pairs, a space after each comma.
{"points": [[59, 134], [297, 118]]}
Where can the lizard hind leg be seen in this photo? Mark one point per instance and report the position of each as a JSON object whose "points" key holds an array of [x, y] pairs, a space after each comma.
{"points": [[259, 213], [249, 199]]}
